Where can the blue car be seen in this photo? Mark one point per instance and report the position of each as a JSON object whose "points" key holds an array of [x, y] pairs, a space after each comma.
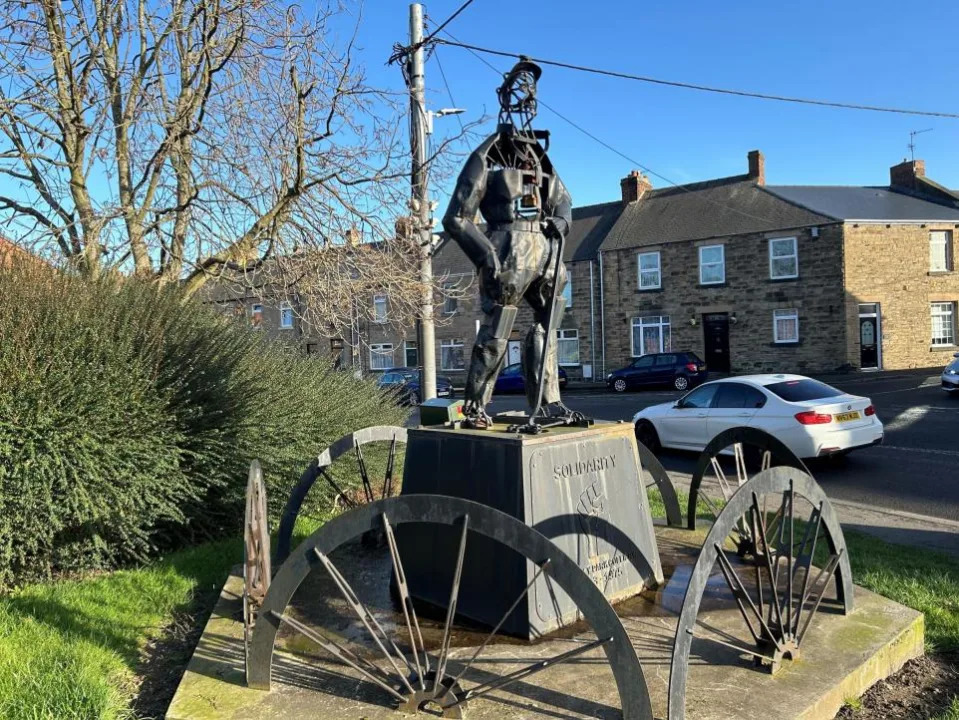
{"points": [[510, 379], [681, 370], [407, 381]]}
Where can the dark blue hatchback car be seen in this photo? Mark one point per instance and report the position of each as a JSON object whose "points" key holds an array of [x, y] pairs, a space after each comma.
{"points": [[511, 379], [681, 370]]}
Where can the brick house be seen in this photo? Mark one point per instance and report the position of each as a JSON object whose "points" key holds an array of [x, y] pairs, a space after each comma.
{"points": [[752, 277]]}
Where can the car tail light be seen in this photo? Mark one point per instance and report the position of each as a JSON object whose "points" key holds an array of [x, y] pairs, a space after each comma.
{"points": [[691, 367], [870, 411], [811, 417]]}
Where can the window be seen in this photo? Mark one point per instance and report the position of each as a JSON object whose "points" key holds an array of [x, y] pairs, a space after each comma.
{"points": [[451, 355], [381, 356], [801, 390], [379, 308], [738, 395], [940, 250], [783, 258], [650, 277], [712, 265], [666, 360], [701, 397], [943, 323], [450, 303], [786, 326], [567, 345], [650, 335], [286, 315], [568, 292], [411, 354], [256, 316], [644, 362]]}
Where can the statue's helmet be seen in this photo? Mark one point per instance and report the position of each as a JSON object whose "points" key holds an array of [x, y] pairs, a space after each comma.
{"points": [[517, 94]]}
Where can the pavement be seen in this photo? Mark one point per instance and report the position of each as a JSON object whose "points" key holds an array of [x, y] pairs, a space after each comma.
{"points": [[905, 491]]}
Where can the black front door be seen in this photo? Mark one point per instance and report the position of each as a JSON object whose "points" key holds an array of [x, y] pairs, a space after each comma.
{"points": [[868, 342], [716, 332]]}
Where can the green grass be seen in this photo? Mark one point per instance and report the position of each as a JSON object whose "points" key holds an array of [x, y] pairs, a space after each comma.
{"points": [[951, 712]]}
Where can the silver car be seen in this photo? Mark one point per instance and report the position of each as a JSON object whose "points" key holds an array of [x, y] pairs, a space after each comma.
{"points": [[950, 376]]}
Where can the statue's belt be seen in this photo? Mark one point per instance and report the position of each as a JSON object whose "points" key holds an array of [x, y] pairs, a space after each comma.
{"points": [[517, 225]]}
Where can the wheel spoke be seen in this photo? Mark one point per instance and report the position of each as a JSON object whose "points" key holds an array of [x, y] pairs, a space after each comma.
{"points": [[388, 478], [361, 462], [767, 461], [341, 653], [741, 473], [740, 593], [710, 503], [730, 645], [336, 488], [774, 605], [789, 557], [805, 561], [525, 672], [827, 571], [416, 641], [366, 617], [539, 571], [721, 477], [451, 610]]}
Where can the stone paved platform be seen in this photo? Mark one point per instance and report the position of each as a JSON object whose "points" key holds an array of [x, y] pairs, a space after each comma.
{"points": [[842, 656]]}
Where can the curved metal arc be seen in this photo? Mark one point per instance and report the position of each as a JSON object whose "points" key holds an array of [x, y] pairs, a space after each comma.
{"points": [[344, 445], [742, 435], [486, 521], [774, 480], [649, 462]]}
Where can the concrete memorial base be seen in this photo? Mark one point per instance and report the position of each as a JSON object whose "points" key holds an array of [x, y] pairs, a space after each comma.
{"points": [[842, 655], [581, 488]]}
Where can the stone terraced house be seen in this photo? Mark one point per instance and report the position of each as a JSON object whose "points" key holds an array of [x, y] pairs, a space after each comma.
{"points": [[751, 277]]}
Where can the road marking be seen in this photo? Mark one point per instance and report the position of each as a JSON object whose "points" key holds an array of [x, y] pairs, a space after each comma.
{"points": [[930, 451]]}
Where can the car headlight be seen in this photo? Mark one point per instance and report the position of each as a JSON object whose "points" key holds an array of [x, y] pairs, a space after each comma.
{"points": [[610, 376]]}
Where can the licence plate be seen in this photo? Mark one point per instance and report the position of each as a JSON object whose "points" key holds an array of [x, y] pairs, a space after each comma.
{"points": [[846, 417]]}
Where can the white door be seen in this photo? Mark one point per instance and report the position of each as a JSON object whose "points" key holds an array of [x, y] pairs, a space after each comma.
{"points": [[513, 352], [685, 424], [735, 405]]}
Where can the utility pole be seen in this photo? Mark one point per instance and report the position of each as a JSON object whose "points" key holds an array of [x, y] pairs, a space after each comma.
{"points": [[420, 206]]}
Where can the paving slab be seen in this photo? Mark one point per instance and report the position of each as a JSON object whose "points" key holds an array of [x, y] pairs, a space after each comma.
{"points": [[841, 656]]}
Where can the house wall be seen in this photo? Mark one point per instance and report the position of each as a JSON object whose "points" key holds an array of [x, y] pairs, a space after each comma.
{"points": [[748, 294], [889, 264]]}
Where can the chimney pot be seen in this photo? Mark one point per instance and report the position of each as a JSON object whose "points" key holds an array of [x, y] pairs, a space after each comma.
{"points": [[634, 186], [906, 173], [757, 167]]}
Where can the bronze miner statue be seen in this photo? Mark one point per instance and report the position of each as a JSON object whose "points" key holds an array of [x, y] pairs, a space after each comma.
{"points": [[511, 181]]}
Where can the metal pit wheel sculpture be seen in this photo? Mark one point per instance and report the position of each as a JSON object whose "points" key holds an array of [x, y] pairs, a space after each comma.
{"points": [[320, 467], [779, 594], [409, 677], [650, 463], [749, 446], [256, 550]]}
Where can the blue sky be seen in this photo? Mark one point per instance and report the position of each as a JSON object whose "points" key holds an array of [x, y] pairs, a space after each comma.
{"points": [[877, 52]]}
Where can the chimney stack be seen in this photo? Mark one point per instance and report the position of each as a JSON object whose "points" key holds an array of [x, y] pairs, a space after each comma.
{"points": [[634, 186], [757, 167], [906, 173]]}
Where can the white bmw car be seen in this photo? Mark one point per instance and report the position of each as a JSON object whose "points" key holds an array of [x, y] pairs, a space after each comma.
{"points": [[813, 419]]}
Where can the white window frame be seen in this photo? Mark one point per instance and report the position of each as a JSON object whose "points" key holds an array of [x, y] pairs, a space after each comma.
{"points": [[946, 244], [450, 304], [256, 310], [943, 309], [721, 263], [785, 314], [451, 343], [640, 270], [379, 317], [406, 349], [567, 335], [644, 321], [381, 350], [568, 292], [286, 306], [794, 256]]}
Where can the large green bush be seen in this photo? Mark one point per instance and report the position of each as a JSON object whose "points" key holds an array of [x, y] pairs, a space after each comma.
{"points": [[128, 419]]}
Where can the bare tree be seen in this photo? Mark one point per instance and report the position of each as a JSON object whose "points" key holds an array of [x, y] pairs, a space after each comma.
{"points": [[180, 140]]}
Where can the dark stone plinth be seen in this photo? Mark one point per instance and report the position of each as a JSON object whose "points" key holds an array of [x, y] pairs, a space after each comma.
{"points": [[582, 488]]}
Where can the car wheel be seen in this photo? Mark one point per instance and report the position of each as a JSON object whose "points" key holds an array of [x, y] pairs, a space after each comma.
{"points": [[647, 435], [681, 382], [619, 385]]}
